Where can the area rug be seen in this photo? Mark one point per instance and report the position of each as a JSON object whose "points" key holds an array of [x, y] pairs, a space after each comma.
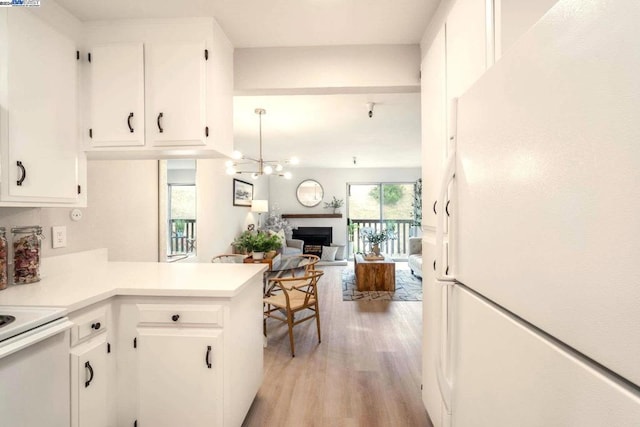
{"points": [[408, 288]]}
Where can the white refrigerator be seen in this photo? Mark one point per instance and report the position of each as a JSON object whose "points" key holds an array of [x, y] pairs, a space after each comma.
{"points": [[537, 321]]}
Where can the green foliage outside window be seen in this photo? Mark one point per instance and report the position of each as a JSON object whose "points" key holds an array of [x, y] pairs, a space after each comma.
{"points": [[391, 194]]}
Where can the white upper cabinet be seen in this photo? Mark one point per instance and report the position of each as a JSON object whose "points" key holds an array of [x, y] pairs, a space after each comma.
{"points": [[116, 95], [469, 37], [175, 93], [39, 135], [174, 75], [433, 94]]}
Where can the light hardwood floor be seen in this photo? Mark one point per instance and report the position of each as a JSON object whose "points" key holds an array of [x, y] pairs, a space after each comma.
{"points": [[366, 371]]}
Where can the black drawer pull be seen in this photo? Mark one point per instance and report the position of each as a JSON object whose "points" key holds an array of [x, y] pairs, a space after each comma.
{"points": [[23, 173], [446, 208], [87, 366], [160, 124], [207, 357], [129, 122], [434, 207], [175, 317], [95, 326]]}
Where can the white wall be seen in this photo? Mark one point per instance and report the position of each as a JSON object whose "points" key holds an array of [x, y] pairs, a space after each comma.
{"points": [[282, 192], [343, 68], [121, 216], [219, 222]]}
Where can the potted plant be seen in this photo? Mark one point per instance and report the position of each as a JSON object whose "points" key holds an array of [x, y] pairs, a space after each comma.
{"points": [[257, 243], [374, 238], [334, 204]]}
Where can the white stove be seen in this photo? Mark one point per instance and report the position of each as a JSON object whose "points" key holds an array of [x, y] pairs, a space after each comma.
{"points": [[34, 366], [15, 320]]}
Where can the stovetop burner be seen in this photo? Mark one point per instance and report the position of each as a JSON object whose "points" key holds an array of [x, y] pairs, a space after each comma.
{"points": [[5, 320]]}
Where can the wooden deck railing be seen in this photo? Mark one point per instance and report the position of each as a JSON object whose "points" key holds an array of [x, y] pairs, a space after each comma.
{"points": [[397, 248], [182, 242]]}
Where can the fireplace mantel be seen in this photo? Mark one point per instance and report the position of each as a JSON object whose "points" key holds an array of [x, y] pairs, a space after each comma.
{"points": [[312, 215]]}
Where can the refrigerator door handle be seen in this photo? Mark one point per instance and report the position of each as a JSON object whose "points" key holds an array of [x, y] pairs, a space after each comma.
{"points": [[448, 175], [442, 344]]}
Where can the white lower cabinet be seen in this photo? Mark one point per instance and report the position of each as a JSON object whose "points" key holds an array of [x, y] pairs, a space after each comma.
{"points": [[89, 383], [180, 376], [92, 367]]}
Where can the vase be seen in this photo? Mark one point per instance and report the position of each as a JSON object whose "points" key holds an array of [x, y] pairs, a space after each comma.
{"points": [[258, 255], [376, 249]]}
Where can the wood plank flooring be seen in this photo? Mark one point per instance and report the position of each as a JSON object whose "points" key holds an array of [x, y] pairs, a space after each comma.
{"points": [[366, 371]]}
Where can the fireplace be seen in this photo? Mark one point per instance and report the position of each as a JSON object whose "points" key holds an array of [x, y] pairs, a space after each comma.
{"points": [[314, 238]]}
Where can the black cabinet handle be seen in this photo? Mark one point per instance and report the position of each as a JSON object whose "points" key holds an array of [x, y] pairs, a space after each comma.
{"points": [[23, 173], [206, 357], [434, 207], [95, 326], [129, 122], [160, 124], [434, 265], [446, 208], [175, 317], [87, 365]]}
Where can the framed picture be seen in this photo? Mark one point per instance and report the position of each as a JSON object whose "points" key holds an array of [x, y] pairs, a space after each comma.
{"points": [[242, 193]]}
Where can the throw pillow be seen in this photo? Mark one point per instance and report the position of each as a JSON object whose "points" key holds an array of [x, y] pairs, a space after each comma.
{"points": [[341, 253], [328, 253]]}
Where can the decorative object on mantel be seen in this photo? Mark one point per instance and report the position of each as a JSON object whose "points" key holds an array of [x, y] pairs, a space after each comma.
{"points": [[263, 167], [374, 238], [309, 193], [334, 204], [242, 193]]}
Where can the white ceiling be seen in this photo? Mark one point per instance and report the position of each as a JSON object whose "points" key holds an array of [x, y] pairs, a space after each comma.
{"points": [[323, 130], [329, 130]]}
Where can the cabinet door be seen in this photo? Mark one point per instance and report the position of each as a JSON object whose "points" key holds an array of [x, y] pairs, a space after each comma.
{"points": [[40, 143], [89, 383], [116, 91], [467, 43], [180, 376], [175, 87], [434, 140]]}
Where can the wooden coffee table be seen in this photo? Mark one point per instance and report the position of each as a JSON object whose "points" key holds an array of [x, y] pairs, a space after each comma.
{"points": [[377, 275]]}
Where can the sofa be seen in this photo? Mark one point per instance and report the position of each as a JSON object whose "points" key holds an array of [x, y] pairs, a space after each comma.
{"points": [[415, 256]]}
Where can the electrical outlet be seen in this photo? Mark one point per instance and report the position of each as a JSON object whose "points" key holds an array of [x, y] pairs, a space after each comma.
{"points": [[59, 236]]}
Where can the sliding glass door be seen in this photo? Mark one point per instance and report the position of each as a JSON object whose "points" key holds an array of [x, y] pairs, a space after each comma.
{"points": [[381, 206]]}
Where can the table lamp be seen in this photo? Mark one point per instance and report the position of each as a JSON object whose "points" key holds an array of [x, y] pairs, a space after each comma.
{"points": [[259, 206]]}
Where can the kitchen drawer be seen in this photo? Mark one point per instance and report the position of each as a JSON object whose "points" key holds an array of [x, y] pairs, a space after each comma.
{"points": [[180, 314], [88, 324]]}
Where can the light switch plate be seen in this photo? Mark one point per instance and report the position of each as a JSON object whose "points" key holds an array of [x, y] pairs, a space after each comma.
{"points": [[59, 236]]}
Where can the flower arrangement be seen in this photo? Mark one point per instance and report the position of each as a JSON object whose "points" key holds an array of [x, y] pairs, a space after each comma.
{"points": [[276, 223], [375, 238]]}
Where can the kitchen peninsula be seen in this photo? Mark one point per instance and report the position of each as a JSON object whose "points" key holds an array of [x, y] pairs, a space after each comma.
{"points": [[157, 343]]}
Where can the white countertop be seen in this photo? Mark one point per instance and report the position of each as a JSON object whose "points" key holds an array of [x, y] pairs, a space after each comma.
{"points": [[94, 282]]}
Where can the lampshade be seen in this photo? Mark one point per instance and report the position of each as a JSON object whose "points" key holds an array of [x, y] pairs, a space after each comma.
{"points": [[260, 206]]}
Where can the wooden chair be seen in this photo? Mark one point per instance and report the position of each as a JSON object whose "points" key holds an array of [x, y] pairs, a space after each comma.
{"points": [[288, 296], [228, 259]]}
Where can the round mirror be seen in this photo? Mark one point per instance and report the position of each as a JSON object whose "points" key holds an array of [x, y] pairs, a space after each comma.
{"points": [[309, 193]]}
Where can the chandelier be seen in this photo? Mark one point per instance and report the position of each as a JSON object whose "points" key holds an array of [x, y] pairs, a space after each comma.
{"points": [[260, 166]]}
